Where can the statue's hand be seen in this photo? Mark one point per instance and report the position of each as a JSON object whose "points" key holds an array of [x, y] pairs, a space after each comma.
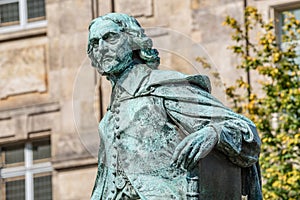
{"points": [[194, 147]]}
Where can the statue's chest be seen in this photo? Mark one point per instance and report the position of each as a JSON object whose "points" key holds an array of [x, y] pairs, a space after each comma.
{"points": [[140, 116]]}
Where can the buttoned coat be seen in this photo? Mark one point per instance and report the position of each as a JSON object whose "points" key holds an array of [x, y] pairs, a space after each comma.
{"points": [[151, 111]]}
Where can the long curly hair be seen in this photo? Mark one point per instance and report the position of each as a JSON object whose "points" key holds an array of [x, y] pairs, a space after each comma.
{"points": [[140, 43]]}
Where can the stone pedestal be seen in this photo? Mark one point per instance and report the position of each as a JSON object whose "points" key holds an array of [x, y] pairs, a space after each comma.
{"points": [[219, 179]]}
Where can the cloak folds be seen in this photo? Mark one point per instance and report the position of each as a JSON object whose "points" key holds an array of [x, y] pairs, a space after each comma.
{"points": [[186, 102], [189, 97]]}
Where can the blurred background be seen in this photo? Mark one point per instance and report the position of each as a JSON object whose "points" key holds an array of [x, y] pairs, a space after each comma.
{"points": [[51, 100]]}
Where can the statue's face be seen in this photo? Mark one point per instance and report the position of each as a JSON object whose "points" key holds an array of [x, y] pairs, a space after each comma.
{"points": [[111, 50]]}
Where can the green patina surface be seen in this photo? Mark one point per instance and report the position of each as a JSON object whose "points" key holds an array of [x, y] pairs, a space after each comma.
{"points": [[163, 127]]}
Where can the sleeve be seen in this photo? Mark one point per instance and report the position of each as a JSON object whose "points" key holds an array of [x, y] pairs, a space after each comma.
{"points": [[237, 135], [101, 174], [239, 140]]}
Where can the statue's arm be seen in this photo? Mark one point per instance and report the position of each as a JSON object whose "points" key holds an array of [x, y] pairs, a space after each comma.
{"points": [[101, 173], [239, 140], [232, 135]]}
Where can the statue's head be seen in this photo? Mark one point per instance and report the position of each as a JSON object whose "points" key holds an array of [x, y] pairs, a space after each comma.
{"points": [[115, 40]]}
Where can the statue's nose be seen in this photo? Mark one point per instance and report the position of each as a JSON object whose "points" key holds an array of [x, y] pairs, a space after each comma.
{"points": [[103, 48]]}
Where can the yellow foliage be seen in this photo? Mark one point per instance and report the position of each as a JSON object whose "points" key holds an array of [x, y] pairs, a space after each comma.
{"points": [[280, 157], [276, 57]]}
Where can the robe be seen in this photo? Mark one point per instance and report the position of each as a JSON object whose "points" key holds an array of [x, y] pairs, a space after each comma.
{"points": [[151, 112]]}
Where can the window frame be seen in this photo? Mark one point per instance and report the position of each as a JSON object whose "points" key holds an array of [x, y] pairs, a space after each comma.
{"points": [[276, 11], [24, 24], [29, 170], [4, 181], [3, 164]]}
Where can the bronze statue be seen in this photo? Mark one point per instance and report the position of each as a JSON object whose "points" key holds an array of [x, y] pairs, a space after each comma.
{"points": [[160, 123]]}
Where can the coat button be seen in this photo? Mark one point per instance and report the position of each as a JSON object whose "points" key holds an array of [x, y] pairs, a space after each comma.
{"points": [[117, 111], [117, 119], [120, 182]]}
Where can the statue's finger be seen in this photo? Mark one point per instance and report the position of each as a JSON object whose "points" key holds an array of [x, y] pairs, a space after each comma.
{"points": [[179, 148], [196, 145], [192, 164], [203, 151], [183, 156], [196, 160], [180, 159], [192, 154]]}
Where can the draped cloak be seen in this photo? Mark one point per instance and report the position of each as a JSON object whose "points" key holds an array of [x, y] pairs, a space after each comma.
{"points": [[151, 111]]}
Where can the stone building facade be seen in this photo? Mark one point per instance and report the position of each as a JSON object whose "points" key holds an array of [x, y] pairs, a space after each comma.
{"points": [[51, 99]]}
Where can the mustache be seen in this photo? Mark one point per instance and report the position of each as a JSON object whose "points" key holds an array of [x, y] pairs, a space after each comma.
{"points": [[105, 58]]}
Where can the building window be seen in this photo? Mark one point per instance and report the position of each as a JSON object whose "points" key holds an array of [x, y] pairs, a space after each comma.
{"points": [[18, 15], [25, 171], [9, 14], [281, 16]]}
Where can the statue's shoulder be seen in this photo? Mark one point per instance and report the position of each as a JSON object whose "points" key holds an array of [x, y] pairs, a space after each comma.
{"points": [[143, 80], [167, 77]]}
